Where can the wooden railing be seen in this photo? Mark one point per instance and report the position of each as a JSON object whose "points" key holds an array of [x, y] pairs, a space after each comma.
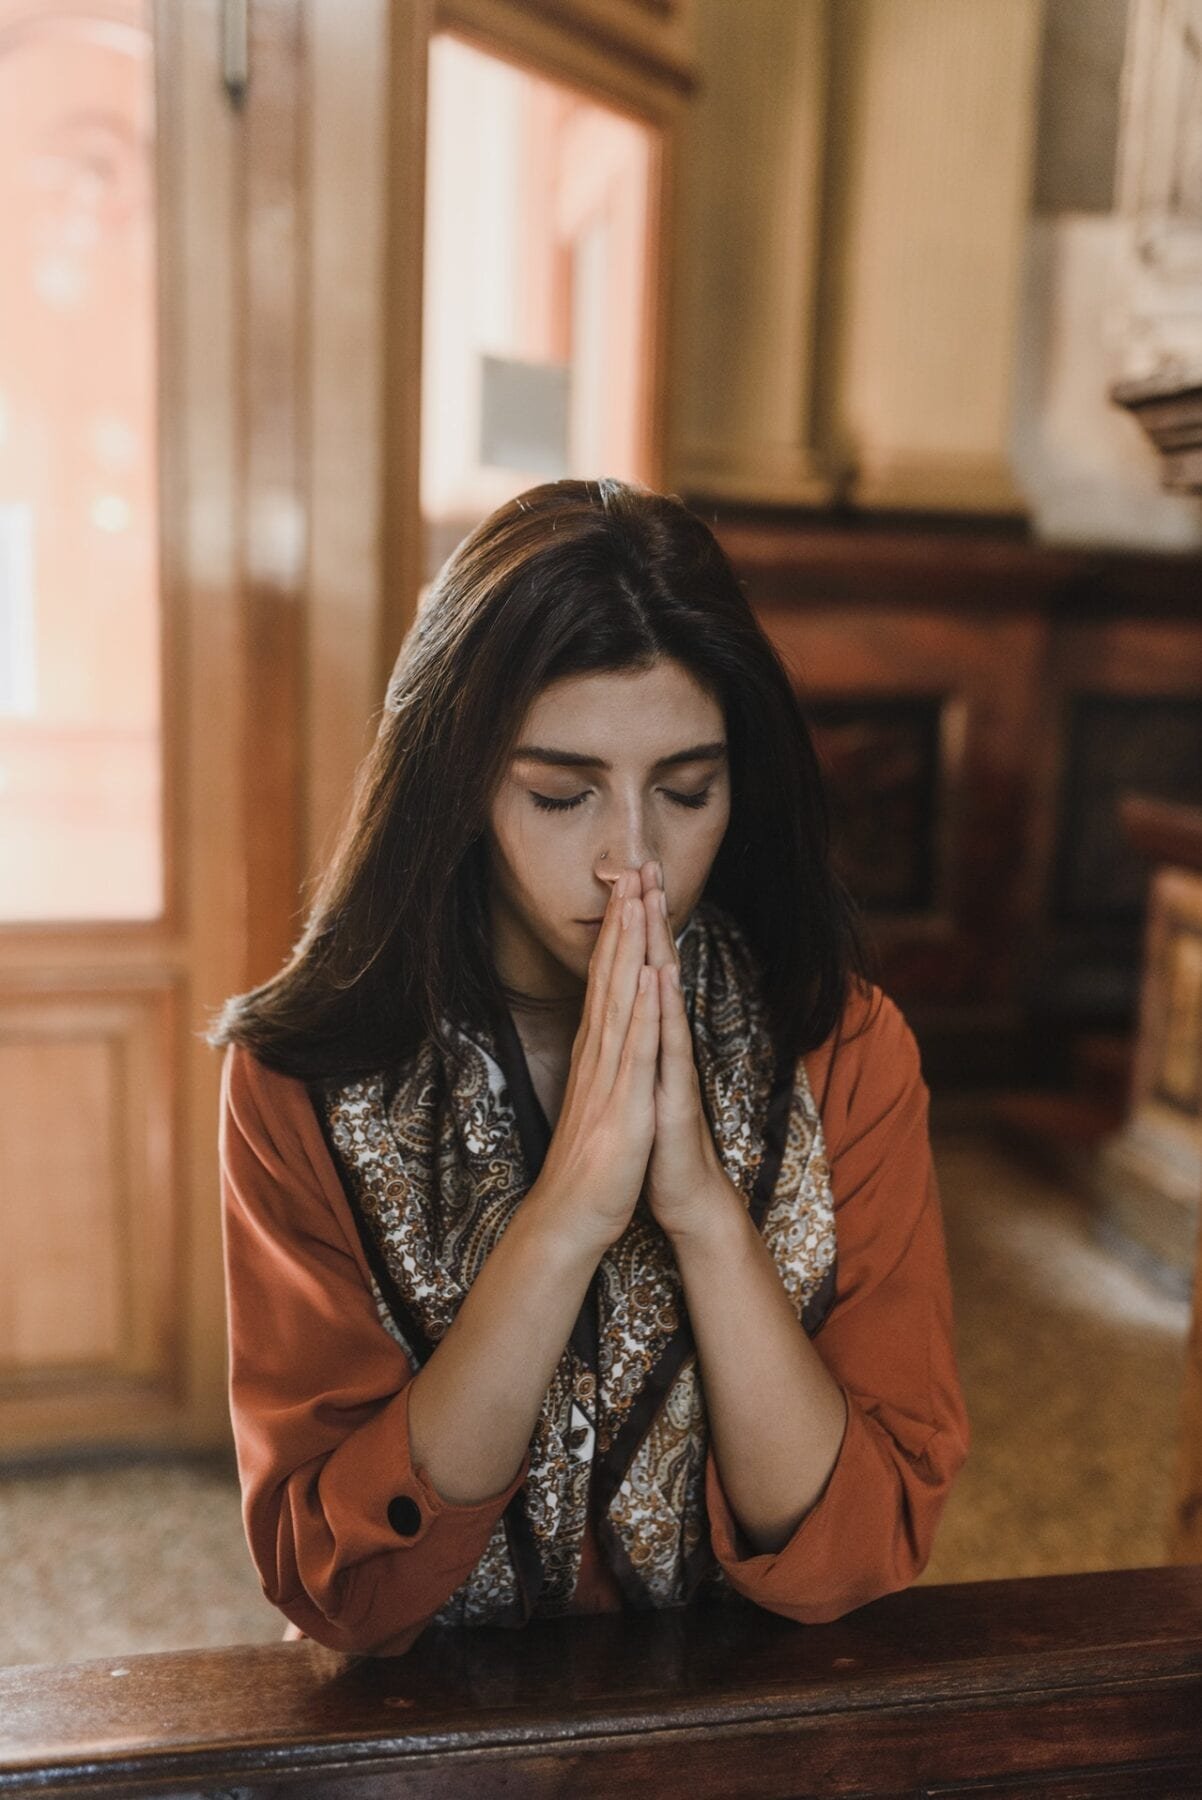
{"points": [[1064, 1687]]}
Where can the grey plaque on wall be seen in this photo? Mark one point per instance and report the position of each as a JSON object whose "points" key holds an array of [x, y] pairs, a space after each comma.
{"points": [[524, 412]]}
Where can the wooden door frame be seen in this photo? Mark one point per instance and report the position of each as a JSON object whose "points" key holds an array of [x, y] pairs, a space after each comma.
{"points": [[129, 991]]}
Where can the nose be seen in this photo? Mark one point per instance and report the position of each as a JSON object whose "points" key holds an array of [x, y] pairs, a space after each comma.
{"points": [[625, 849], [610, 871]]}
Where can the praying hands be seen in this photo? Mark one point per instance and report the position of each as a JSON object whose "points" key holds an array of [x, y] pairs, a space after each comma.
{"points": [[686, 1186], [776, 1415]]}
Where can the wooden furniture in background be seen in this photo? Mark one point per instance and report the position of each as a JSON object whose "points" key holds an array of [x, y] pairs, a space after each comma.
{"points": [[981, 701], [1149, 1178], [1149, 1175], [1163, 1139], [1053, 1687], [1169, 407]]}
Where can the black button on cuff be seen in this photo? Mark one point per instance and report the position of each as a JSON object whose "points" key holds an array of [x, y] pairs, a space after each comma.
{"points": [[404, 1515]]}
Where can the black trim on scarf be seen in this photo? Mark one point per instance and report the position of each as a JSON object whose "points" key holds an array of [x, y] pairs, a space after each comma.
{"points": [[632, 1589], [821, 1300], [776, 1123], [533, 1128]]}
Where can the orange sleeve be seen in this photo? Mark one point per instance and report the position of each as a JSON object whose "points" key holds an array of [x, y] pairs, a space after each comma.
{"points": [[351, 1542], [887, 1340]]}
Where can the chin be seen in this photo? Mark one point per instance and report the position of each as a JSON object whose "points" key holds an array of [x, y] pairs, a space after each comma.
{"points": [[563, 951]]}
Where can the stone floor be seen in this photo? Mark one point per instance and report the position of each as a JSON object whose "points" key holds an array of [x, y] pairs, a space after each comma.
{"points": [[1071, 1362], [1072, 1365]]}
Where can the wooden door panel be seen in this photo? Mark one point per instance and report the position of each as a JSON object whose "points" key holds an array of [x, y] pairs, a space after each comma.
{"points": [[90, 1214]]}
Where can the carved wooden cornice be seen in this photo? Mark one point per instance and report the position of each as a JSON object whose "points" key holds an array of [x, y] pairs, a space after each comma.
{"points": [[1169, 407], [1160, 194]]}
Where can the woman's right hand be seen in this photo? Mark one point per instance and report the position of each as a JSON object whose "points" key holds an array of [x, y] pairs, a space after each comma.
{"points": [[595, 1164]]}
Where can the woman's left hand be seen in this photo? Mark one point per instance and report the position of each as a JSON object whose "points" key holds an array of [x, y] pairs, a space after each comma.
{"points": [[686, 1185]]}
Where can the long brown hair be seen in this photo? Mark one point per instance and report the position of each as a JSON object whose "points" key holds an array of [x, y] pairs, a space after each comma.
{"points": [[569, 578]]}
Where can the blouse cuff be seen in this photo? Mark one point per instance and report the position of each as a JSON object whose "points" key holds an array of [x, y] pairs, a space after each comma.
{"points": [[816, 1577], [730, 1542], [375, 1498]]}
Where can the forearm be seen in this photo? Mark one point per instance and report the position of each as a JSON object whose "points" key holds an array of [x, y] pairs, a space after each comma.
{"points": [[776, 1414], [474, 1404]]}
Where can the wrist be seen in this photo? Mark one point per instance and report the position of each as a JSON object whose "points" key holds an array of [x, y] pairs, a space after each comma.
{"points": [[719, 1224], [561, 1233]]}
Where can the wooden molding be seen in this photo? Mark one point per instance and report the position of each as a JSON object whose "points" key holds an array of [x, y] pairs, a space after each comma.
{"points": [[1169, 408], [610, 47], [1162, 830], [951, 482]]}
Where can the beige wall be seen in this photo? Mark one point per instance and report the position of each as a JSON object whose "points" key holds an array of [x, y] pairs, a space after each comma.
{"points": [[903, 275], [1086, 465]]}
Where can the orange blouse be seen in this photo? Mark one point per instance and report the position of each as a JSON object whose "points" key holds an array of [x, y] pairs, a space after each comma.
{"points": [[319, 1388]]}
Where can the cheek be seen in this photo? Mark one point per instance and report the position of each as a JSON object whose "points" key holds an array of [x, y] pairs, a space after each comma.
{"points": [[538, 855], [520, 831], [510, 851], [698, 854], [715, 828]]}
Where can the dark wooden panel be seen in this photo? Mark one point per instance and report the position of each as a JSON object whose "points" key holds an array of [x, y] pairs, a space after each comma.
{"points": [[1119, 708], [1143, 1781], [1005, 908], [961, 565], [882, 758], [1057, 1678], [1150, 743]]}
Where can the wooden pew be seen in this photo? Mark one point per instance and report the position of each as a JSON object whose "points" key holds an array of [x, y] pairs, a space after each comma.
{"points": [[1065, 1687]]}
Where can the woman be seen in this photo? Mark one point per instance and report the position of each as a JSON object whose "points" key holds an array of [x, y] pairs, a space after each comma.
{"points": [[582, 1244]]}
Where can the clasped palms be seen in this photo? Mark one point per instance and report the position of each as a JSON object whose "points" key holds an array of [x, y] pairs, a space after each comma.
{"points": [[684, 1168]]}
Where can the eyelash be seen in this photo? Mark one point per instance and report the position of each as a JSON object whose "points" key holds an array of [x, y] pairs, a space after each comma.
{"points": [[547, 804]]}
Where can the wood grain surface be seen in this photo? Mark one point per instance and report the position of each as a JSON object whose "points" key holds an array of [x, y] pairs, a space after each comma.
{"points": [[1070, 1685]]}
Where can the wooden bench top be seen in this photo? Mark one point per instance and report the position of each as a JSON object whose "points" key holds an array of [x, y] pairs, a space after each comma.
{"points": [[934, 1687]]}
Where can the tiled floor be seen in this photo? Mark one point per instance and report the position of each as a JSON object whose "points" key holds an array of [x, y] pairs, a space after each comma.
{"points": [[1072, 1368]]}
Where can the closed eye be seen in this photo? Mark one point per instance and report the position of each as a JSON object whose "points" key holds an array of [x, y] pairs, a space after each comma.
{"points": [[548, 804]]}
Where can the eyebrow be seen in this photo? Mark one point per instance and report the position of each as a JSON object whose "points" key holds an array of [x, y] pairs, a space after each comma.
{"points": [[576, 759]]}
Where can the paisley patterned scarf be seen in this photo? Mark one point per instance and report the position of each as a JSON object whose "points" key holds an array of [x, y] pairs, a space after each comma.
{"points": [[436, 1155]]}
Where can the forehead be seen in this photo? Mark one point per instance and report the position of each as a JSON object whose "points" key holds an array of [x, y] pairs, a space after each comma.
{"points": [[627, 707]]}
